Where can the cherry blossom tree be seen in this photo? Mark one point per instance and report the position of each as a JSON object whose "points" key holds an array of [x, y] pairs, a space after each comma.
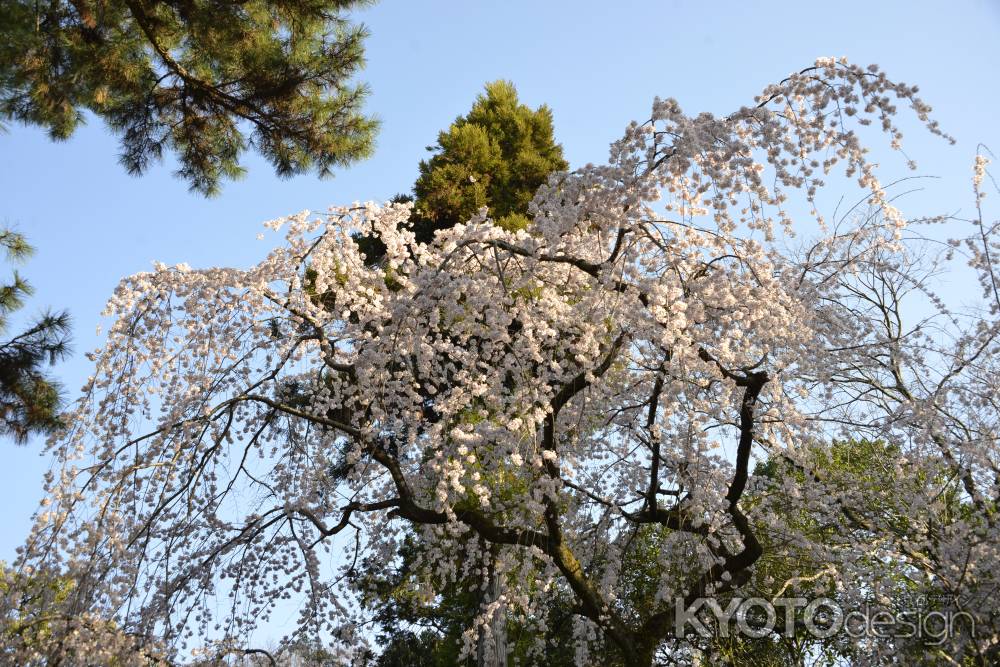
{"points": [[553, 401]]}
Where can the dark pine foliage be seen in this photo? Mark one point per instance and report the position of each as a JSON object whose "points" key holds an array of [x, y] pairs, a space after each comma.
{"points": [[29, 397], [206, 80]]}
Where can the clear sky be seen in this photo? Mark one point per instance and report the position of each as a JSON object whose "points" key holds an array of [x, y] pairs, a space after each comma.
{"points": [[598, 65]]}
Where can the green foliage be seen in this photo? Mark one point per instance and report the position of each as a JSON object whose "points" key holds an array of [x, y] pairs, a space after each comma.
{"points": [[39, 625], [414, 630], [495, 156], [193, 77], [26, 609], [29, 397], [18, 620], [790, 569], [421, 632]]}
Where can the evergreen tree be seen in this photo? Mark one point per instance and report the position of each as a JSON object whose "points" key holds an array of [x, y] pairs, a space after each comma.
{"points": [[206, 80], [29, 397], [496, 156]]}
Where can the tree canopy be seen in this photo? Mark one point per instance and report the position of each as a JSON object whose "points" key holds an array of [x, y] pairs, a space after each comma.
{"points": [[496, 156], [205, 80], [30, 398], [674, 376]]}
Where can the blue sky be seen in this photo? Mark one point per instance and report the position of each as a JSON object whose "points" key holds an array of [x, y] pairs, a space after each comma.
{"points": [[598, 65]]}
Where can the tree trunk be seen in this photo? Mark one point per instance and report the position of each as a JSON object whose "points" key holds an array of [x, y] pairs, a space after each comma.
{"points": [[492, 648]]}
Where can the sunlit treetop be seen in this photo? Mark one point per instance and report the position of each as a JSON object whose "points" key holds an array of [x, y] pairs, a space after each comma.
{"points": [[496, 156]]}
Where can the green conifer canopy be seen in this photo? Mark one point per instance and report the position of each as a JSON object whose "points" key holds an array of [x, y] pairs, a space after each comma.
{"points": [[495, 156], [29, 397], [206, 80]]}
